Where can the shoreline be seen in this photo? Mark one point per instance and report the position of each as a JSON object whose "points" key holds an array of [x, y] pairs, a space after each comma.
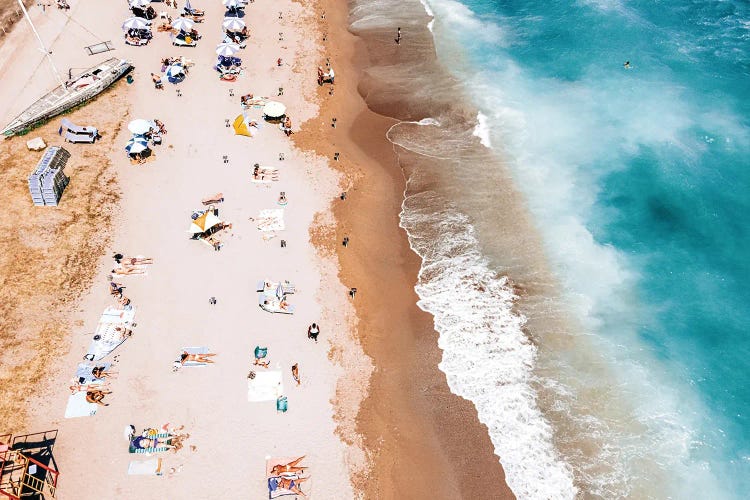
{"points": [[408, 394]]}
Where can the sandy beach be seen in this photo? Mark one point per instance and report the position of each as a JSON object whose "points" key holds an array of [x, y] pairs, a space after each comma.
{"points": [[353, 446]]}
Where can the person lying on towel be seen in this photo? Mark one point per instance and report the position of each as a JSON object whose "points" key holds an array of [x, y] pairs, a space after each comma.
{"points": [[287, 484]]}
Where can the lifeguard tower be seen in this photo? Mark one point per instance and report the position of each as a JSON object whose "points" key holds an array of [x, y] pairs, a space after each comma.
{"points": [[27, 467]]}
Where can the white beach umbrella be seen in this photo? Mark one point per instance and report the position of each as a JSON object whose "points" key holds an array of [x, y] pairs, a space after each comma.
{"points": [[274, 109], [232, 4], [227, 49], [233, 24], [139, 3], [140, 126], [135, 23], [136, 145], [183, 24]]}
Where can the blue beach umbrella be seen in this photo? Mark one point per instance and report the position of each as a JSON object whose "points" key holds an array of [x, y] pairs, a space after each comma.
{"points": [[175, 73], [136, 144]]}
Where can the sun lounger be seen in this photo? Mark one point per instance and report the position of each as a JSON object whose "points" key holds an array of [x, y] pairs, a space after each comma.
{"points": [[265, 386], [87, 138], [151, 467], [180, 41], [272, 304], [270, 287]]}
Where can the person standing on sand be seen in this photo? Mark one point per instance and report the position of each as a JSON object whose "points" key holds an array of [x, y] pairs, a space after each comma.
{"points": [[313, 331], [398, 36]]}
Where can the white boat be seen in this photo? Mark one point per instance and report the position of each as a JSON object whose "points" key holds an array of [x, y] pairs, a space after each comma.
{"points": [[70, 94], [67, 95]]}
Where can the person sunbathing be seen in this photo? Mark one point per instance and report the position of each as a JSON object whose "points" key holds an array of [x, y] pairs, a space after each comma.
{"points": [[79, 386], [291, 467], [124, 332], [136, 261], [288, 126], [124, 301], [295, 373], [162, 130], [198, 358], [145, 443], [287, 484], [258, 362], [128, 271], [101, 372], [216, 198], [157, 81], [245, 99], [115, 289], [284, 305], [96, 396], [134, 40]]}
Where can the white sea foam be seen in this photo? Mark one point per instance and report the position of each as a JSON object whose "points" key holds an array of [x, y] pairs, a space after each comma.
{"points": [[482, 130], [429, 12], [486, 356]]}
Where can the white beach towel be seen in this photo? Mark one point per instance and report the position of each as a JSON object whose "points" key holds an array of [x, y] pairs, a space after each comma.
{"points": [[266, 386], [106, 337], [151, 467], [83, 371], [79, 407], [271, 219]]}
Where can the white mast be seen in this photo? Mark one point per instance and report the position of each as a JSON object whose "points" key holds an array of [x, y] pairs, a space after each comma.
{"points": [[41, 44]]}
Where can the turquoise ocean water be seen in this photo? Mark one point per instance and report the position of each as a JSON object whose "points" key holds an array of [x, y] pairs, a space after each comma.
{"points": [[638, 182]]}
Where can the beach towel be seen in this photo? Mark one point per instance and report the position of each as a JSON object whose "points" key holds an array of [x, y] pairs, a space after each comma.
{"points": [[107, 337], [266, 386], [79, 407], [193, 350], [274, 491], [145, 468], [282, 404], [133, 449], [84, 376], [271, 219]]}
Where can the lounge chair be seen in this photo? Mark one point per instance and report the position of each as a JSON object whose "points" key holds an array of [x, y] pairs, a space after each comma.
{"points": [[183, 41], [87, 137]]}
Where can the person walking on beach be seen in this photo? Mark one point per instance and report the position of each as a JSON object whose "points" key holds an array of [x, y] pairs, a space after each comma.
{"points": [[398, 36], [313, 331]]}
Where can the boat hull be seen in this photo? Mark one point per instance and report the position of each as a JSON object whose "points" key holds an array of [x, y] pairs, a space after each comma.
{"points": [[75, 92]]}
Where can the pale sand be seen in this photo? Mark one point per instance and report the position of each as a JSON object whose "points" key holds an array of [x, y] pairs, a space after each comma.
{"points": [[232, 436]]}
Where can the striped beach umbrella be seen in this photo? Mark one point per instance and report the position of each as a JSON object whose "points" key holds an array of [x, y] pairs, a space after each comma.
{"points": [[183, 24], [136, 145], [227, 49], [233, 24], [135, 23]]}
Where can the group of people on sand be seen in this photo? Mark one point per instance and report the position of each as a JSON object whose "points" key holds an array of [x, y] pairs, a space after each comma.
{"points": [[173, 439], [130, 265], [326, 76]]}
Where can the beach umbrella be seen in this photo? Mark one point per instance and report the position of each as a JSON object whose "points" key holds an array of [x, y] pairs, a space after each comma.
{"points": [[233, 24], [135, 23], [274, 109], [232, 4], [183, 24], [139, 3], [141, 126], [136, 145], [227, 49], [175, 73], [204, 222]]}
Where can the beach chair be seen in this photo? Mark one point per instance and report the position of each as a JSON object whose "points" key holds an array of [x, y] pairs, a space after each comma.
{"points": [[87, 138], [282, 404], [183, 41]]}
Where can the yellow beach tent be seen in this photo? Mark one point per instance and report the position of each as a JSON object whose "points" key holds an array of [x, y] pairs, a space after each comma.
{"points": [[204, 222]]}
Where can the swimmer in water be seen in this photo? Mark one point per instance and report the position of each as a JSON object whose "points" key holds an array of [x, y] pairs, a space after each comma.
{"points": [[626, 65]]}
